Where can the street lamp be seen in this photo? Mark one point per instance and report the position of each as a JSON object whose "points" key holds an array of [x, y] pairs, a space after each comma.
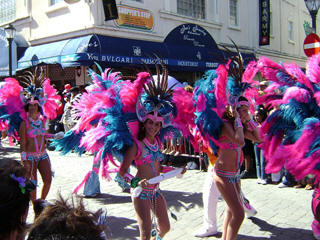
{"points": [[10, 34], [313, 7]]}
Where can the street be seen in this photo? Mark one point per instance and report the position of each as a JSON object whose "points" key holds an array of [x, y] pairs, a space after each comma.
{"points": [[283, 214]]}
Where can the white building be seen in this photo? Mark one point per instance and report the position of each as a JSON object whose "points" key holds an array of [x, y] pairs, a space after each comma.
{"points": [[73, 33]]}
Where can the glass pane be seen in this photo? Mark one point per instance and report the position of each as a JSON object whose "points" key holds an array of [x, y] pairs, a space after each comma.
{"points": [[191, 8], [233, 4], [7, 10]]}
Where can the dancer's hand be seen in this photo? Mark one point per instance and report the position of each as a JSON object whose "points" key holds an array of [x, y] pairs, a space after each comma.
{"points": [[143, 183], [235, 112]]}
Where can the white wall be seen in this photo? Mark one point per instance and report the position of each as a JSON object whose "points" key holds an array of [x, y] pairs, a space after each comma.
{"points": [[40, 23]]}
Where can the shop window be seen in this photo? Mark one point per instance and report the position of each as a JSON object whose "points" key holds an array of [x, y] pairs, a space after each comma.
{"points": [[234, 12], [7, 10], [191, 8]]}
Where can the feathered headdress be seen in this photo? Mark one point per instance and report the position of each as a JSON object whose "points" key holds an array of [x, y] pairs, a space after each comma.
{"points": [[13, 97], [155, 103]]}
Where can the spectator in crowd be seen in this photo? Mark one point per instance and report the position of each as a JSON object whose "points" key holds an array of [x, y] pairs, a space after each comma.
{"points": [[14, 200], [71, 97], [260, 115], [287, 180], [62, 220]]}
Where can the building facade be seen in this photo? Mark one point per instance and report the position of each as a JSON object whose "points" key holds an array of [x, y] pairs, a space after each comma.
{"points": [[67, 36]]}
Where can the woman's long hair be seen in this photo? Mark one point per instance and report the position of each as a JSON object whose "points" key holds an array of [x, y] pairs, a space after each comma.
{"points": [[142, 131]]}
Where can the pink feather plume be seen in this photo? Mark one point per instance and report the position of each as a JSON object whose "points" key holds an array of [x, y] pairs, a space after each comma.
{"points": [[220, 88], [313, 68], [130, 92], [185, 115], [51, 104]]}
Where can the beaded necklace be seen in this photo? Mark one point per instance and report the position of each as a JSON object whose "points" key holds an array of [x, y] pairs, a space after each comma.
{"points": [[153, 147]]}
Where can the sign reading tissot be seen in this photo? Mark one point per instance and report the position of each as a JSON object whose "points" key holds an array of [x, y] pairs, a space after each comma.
{"points": [[264, 22]]}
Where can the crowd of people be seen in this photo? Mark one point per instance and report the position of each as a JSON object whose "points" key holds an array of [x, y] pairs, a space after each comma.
{"points": [[225, 121]]}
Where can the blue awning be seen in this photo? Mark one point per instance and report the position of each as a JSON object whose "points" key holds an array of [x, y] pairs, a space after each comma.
{"points": [[61, 52], [116, 52], [92, 48]]}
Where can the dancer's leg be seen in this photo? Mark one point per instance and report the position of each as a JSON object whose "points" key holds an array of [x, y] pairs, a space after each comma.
{"points": [[31, 170], [142, 208], [161, 213], [235, 212], [44, 167]]}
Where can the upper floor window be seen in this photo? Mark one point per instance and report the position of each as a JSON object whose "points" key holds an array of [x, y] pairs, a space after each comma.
{"points": [[7, 10], [234, 12], [191, 8], [290, 31], [53, 2]]}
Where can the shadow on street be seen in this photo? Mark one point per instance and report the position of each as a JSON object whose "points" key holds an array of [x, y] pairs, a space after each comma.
{"points": [[119, 228], [277, 233]]}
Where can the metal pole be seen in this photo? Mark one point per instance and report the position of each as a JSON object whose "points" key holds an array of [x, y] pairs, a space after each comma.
{"points": [[10, 56]]}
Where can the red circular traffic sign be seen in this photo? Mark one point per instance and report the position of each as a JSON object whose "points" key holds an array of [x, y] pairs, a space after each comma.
{"points": [[311, 44]]}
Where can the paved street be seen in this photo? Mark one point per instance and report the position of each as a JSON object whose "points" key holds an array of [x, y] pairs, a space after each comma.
{"points": [[283, 214]]}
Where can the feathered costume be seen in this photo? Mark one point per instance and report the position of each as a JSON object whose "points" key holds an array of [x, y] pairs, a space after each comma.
{"points": [[291, 133], [218, 89], [13, 98], [110, 111]]}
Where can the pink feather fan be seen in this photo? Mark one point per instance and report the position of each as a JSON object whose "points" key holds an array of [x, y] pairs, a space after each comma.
{"points": [[185, 115], [51, 104]]}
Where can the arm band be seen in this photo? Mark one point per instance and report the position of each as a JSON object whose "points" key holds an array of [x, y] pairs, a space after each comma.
{"points": [[133, 181], [252, 125], [237, 123], [23, 156]]}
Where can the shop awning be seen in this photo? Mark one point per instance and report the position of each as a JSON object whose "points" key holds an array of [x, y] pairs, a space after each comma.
{"points": [[113, 52]]}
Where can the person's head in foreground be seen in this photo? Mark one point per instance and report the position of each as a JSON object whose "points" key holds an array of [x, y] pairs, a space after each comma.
{"points": [[63, 220]]}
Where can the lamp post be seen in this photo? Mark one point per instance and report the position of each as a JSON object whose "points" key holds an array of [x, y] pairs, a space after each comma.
{"points": [[10, 34], [313, 7]]}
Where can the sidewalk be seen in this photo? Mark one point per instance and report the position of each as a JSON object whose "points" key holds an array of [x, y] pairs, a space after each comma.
{"points": [[283, 214]]}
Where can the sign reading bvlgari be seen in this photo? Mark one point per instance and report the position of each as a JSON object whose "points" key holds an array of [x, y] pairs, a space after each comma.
{"points": [[134, 18]]}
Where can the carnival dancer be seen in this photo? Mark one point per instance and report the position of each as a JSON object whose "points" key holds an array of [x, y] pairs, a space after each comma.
{"points": [[224, 121], [27, 110], [109, 117], [291, 133]]}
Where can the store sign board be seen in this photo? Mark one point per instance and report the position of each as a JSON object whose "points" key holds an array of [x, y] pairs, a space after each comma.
{"points": [[136, 18], [264, 22]]}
